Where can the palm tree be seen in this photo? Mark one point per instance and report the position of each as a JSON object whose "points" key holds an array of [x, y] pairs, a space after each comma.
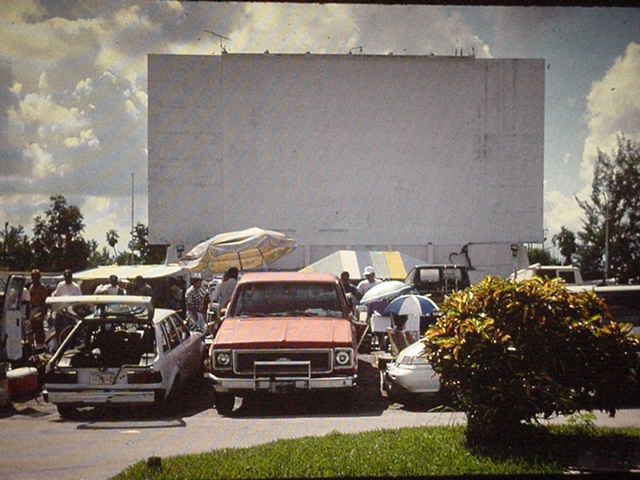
{"points": [[112, 240]]}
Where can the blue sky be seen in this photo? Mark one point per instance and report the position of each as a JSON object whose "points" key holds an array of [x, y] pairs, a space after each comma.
{"points": [[73, 101]]}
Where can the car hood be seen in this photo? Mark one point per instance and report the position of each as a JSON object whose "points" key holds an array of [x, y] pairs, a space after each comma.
{"points": [[284, 332]]}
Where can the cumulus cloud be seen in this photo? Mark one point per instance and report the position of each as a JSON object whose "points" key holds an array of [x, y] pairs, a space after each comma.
{"points": [[561, 210], [613, 108], [75, 105]]}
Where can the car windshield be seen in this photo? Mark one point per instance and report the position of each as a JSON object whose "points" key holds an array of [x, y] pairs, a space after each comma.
{"points": [[287, 299]]}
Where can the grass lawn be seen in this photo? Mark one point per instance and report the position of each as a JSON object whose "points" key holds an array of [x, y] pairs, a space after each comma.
{"points": [[406, 452]]}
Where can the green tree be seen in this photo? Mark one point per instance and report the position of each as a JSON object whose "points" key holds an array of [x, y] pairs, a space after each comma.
{"points": [[613, 206], [139, 243], [15, 248], [100, 257], [112, 240], [511, 351], [544, 257], [566, 242], [57, 238]]}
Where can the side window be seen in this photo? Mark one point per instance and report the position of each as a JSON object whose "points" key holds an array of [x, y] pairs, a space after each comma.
{"points": [[180, 327], [567, 276], [172, 334], [14, 293]]}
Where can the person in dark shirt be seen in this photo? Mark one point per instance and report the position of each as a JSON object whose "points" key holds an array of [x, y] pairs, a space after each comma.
{"points": [[38, 293], [349, 288]]}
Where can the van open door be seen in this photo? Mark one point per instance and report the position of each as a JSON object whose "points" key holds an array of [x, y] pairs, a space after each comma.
{"points": [[13, 315]]}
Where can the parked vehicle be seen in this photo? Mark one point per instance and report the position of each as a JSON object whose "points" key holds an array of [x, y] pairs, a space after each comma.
{"points": [[408, 375], [12, 319], [120, 351], [569, 273], [283, 332], [438, 280], [623, 301]]}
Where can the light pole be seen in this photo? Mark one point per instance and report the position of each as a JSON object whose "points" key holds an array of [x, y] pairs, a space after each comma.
{"points": [[606, 234]]}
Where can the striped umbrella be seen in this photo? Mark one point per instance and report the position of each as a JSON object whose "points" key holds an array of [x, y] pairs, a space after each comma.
{"points": [[411, 305]]}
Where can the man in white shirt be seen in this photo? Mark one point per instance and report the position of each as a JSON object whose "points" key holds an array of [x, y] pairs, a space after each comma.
{"points": [[65, 288], [111, 288], [369, 281]]}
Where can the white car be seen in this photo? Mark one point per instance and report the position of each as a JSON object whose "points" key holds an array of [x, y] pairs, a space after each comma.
{"points": [[410, 375], [120, 351]]}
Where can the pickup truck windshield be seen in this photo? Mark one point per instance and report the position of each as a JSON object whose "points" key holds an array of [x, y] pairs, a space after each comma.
{"points": [[287, 299]]}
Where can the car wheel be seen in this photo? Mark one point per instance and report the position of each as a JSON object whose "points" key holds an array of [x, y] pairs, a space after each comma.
{"points": [[225, 403], [70, 412]]}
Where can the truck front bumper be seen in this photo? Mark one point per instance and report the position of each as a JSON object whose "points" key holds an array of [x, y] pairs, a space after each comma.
{"points": [[278, 384]]}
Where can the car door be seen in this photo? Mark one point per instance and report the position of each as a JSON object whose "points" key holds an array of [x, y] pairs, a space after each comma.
{"points": [[186, 348], [14, 315], [169, 344]]}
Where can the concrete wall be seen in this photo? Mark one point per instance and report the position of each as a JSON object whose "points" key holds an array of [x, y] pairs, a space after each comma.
{"points": [[353, 151]]}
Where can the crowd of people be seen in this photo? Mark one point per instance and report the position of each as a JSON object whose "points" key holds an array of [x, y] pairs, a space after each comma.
{"points": [[35, 293], [193, 302]]}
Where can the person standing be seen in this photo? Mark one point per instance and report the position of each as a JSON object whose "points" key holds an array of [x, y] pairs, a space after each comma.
{"points": [[176, 295], [111, 288], [66, 288], [196, 303], [348, 288], [142, 288], [223, 291], [369, 281], [38, 294]]}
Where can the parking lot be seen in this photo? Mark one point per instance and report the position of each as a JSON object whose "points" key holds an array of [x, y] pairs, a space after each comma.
{"points": [[37, 443]]}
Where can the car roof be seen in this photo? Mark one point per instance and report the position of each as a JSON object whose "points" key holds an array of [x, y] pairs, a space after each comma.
{"points": [[315, 277]]}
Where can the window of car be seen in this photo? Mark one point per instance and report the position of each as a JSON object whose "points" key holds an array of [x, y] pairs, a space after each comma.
{"points": [[180, 326], [171, 333], [429, 275], [567, 276], [311, 299]]}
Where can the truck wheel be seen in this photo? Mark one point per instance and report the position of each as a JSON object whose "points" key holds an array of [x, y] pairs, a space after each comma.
{"points": [[225, 403]]}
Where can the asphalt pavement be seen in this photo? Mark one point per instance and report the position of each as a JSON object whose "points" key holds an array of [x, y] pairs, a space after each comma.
{"points": [[35, 443]]}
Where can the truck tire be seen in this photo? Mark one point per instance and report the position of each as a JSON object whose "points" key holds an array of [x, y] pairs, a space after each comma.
{"points": [[225, 403]]}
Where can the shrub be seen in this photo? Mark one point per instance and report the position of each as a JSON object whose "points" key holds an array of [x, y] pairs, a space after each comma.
{"points": [[510, 352]]}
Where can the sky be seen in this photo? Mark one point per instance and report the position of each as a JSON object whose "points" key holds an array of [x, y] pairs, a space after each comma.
{"points": [[73, 85]]}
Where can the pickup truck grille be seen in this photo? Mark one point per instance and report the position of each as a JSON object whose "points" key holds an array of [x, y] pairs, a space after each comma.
{"points": [[321, 361]]}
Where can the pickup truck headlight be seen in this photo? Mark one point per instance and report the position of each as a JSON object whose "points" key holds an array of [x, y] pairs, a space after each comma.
{"points": [[222, 359], [343, 357]]}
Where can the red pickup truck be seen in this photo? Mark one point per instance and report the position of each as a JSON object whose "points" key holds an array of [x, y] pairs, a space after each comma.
{"points": [[284, 331]]}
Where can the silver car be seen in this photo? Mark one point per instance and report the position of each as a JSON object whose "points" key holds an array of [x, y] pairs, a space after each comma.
{"points": [[409, 376]]}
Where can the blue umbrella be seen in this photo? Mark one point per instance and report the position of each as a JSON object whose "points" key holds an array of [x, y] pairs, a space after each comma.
{"points": [[411, 305]]}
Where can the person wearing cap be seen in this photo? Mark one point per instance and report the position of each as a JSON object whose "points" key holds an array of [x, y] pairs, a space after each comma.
{"points": [[66, 288], [111, 288], [38, 294], [369, 281], [196, 299]]}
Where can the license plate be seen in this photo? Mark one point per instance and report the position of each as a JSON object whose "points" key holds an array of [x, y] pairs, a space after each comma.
{"points": [[102, 378]]}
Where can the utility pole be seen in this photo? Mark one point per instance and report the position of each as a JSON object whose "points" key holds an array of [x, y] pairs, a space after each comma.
{"points": [[131, 247], [606, 234]]}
